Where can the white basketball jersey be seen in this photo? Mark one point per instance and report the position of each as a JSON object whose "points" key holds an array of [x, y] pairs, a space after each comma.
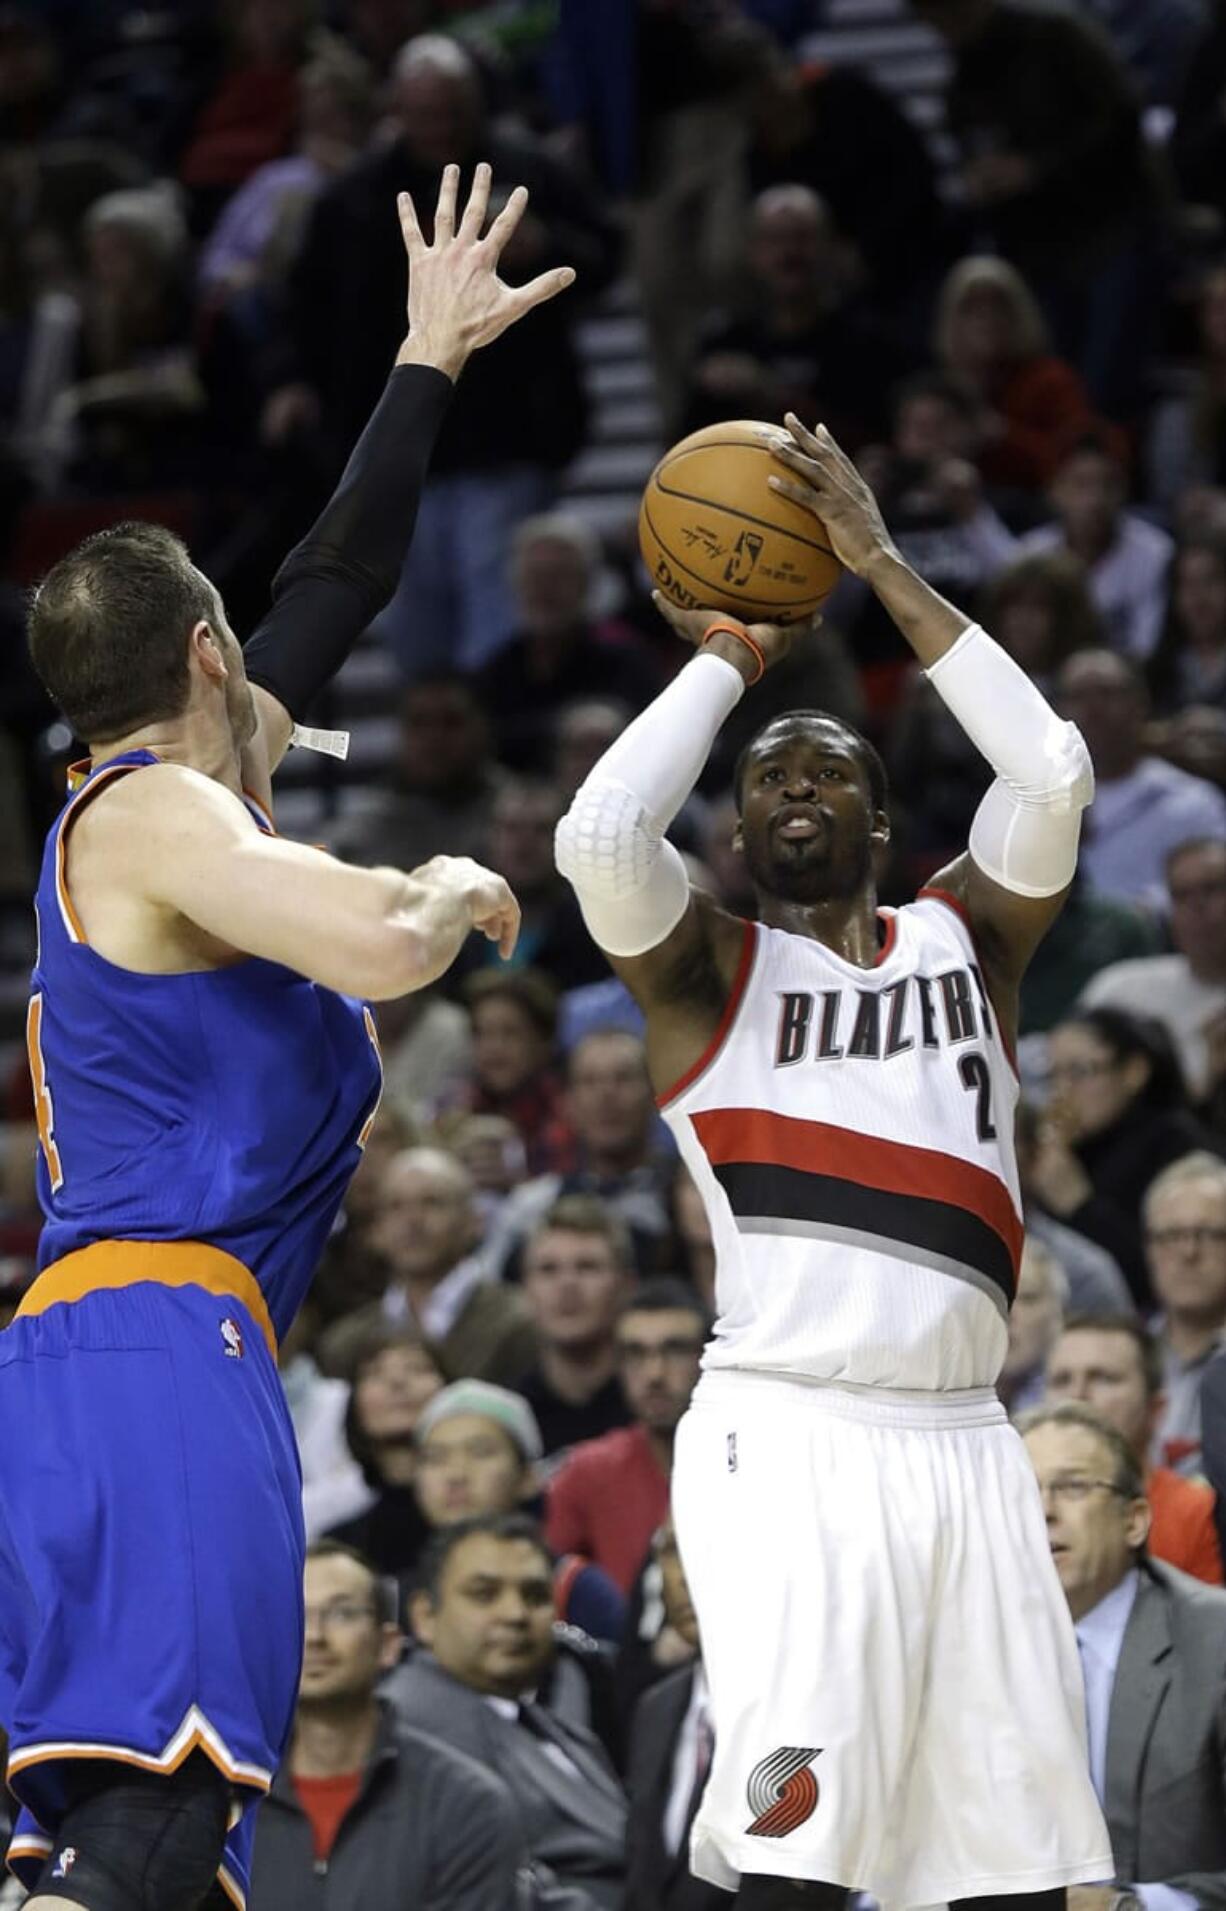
{"points": [[851, 1133]]}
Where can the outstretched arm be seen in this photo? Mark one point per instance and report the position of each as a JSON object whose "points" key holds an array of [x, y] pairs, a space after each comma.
{"points": [[676, 951], [1023, 842], [346, 568]]}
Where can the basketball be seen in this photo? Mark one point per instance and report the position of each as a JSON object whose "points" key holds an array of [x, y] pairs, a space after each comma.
{"points": [[713, 532]]}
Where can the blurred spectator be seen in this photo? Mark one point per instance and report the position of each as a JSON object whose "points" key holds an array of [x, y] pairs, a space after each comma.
{"points": [[250, 115], [1189, 662], [31, 75], [128, 419], [517, 416], [1213, 1436], [552, 935], [1154, 40], [492, 1149], [1153, 1656], [804, 344], [1094, 1281], [583, 732], [611, 1494], [514, 1017], [1198, 140], [1187, 435], [1053, 171], [595, 1008], [561, 649], [1035, 1321], [426, 1226], [671, 1742], [692, 1227], [485, 1616], [1116, 1117], [388, 1816], [992, 341], [833, 129], [1186, 990], [333, 1486], [733, 885], [439, 796], [578, 1274], [395, 1376], [1113, 1365], [621, 1155], [260, 225], [1126, 557], [478, 1449], [1143, 808], [1185, 1237], [427, 1054]]}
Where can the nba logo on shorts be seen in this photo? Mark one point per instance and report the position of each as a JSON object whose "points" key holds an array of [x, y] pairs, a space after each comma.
{"points": [[232, 1335], [783, 1791], [64, 1863]]}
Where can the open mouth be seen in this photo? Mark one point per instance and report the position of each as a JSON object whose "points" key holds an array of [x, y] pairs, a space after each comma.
{"points": [[798, 822]]}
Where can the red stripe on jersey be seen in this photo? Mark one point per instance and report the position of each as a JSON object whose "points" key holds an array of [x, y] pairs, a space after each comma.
{"points": [[748, 943], [818, 1147]]}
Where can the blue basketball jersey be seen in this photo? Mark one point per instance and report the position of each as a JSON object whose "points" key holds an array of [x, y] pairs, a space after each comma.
{"points": [[225, 1106]]}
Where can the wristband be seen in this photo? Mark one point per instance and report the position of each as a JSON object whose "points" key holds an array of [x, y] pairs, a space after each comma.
{"points": [[732, 627]]}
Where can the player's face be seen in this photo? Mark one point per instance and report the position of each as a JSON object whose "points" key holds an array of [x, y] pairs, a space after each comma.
{"points": [[346, 1646], [1092, 1528], [492, 1626], [467, 1465], [1185, 1238], [1104, 1371], [574, 1288], [392, 1390], [657, 1356], [508, 1047], [807, 820]]}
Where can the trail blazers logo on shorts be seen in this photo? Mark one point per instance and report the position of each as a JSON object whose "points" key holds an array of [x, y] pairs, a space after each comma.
{"points": [[783, 1791]]}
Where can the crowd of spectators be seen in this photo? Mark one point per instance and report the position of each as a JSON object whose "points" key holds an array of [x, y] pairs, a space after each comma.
{"points": [[1019, 331]]}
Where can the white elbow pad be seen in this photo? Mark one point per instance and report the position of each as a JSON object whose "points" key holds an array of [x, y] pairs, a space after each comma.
{"points": [[1025, 837], [631, 884]]}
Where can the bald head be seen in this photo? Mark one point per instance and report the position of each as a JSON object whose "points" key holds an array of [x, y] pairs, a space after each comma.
{"points": [[792, 246], [1104, 695], [436, 98], [425, 1218]]}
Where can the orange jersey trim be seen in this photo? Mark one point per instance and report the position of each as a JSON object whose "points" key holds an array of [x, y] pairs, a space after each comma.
{"points": [[112, 1264], [194, 1735], [84, 794]]}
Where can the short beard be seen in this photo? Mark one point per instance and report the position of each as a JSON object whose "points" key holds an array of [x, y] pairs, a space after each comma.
{"points": [[836, 878]]}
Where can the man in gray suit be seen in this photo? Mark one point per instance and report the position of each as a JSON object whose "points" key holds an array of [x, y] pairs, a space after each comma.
{"points": [[1153, 1654], [484, 1616]]}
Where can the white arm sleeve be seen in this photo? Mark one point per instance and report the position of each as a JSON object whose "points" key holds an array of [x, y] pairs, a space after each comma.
{"points": [[631, 884], [1027, 828]]}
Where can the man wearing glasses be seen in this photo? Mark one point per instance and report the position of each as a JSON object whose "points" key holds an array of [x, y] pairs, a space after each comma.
{"points": [[611, 1494], [1153, 1657], [1185, 1242]]}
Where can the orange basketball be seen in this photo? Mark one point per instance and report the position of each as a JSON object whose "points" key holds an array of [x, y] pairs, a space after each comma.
{"points": [[713, 532]]}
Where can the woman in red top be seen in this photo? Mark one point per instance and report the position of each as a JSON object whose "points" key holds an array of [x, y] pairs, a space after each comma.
{"points": [[992, 340]]}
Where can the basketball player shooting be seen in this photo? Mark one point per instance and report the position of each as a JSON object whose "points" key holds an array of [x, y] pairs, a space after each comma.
{"points": [[894, 1677], [205, 1078]]}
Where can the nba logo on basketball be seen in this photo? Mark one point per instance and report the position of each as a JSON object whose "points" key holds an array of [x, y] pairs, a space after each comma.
{"points": [[232, 1337], [783, 1791]]}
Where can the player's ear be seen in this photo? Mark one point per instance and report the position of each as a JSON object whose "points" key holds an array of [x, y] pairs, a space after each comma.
{"points": [[206, 648]]}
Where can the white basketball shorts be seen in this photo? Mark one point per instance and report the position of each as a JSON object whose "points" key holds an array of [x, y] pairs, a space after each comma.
{"points": [[894, 1677]]}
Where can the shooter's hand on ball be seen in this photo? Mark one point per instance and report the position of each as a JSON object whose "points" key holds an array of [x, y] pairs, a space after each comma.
{"points": [[457, 302], [769, 641], [827, 483]]}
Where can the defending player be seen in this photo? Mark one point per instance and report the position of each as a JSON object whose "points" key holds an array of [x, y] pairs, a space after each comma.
{"points": [[895, 1681], [205, 1077]]}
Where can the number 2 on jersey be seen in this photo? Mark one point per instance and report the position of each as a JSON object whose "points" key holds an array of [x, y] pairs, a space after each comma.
{"points": [[44, 1112], [974, 1072]]}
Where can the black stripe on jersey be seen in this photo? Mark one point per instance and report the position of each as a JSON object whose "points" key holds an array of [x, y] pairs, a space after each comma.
{"points": [[790, 1194]]}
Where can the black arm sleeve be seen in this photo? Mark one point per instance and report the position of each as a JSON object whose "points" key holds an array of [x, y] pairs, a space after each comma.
{"points": [[347, 566]]}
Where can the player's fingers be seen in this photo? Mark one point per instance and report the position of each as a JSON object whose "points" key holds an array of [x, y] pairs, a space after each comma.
{"points": [[802, 494], [507, 220], [802, 463], [510, 933], [806, 439], [478, 204], [546, 285], [410, 229], [444, 212]]}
